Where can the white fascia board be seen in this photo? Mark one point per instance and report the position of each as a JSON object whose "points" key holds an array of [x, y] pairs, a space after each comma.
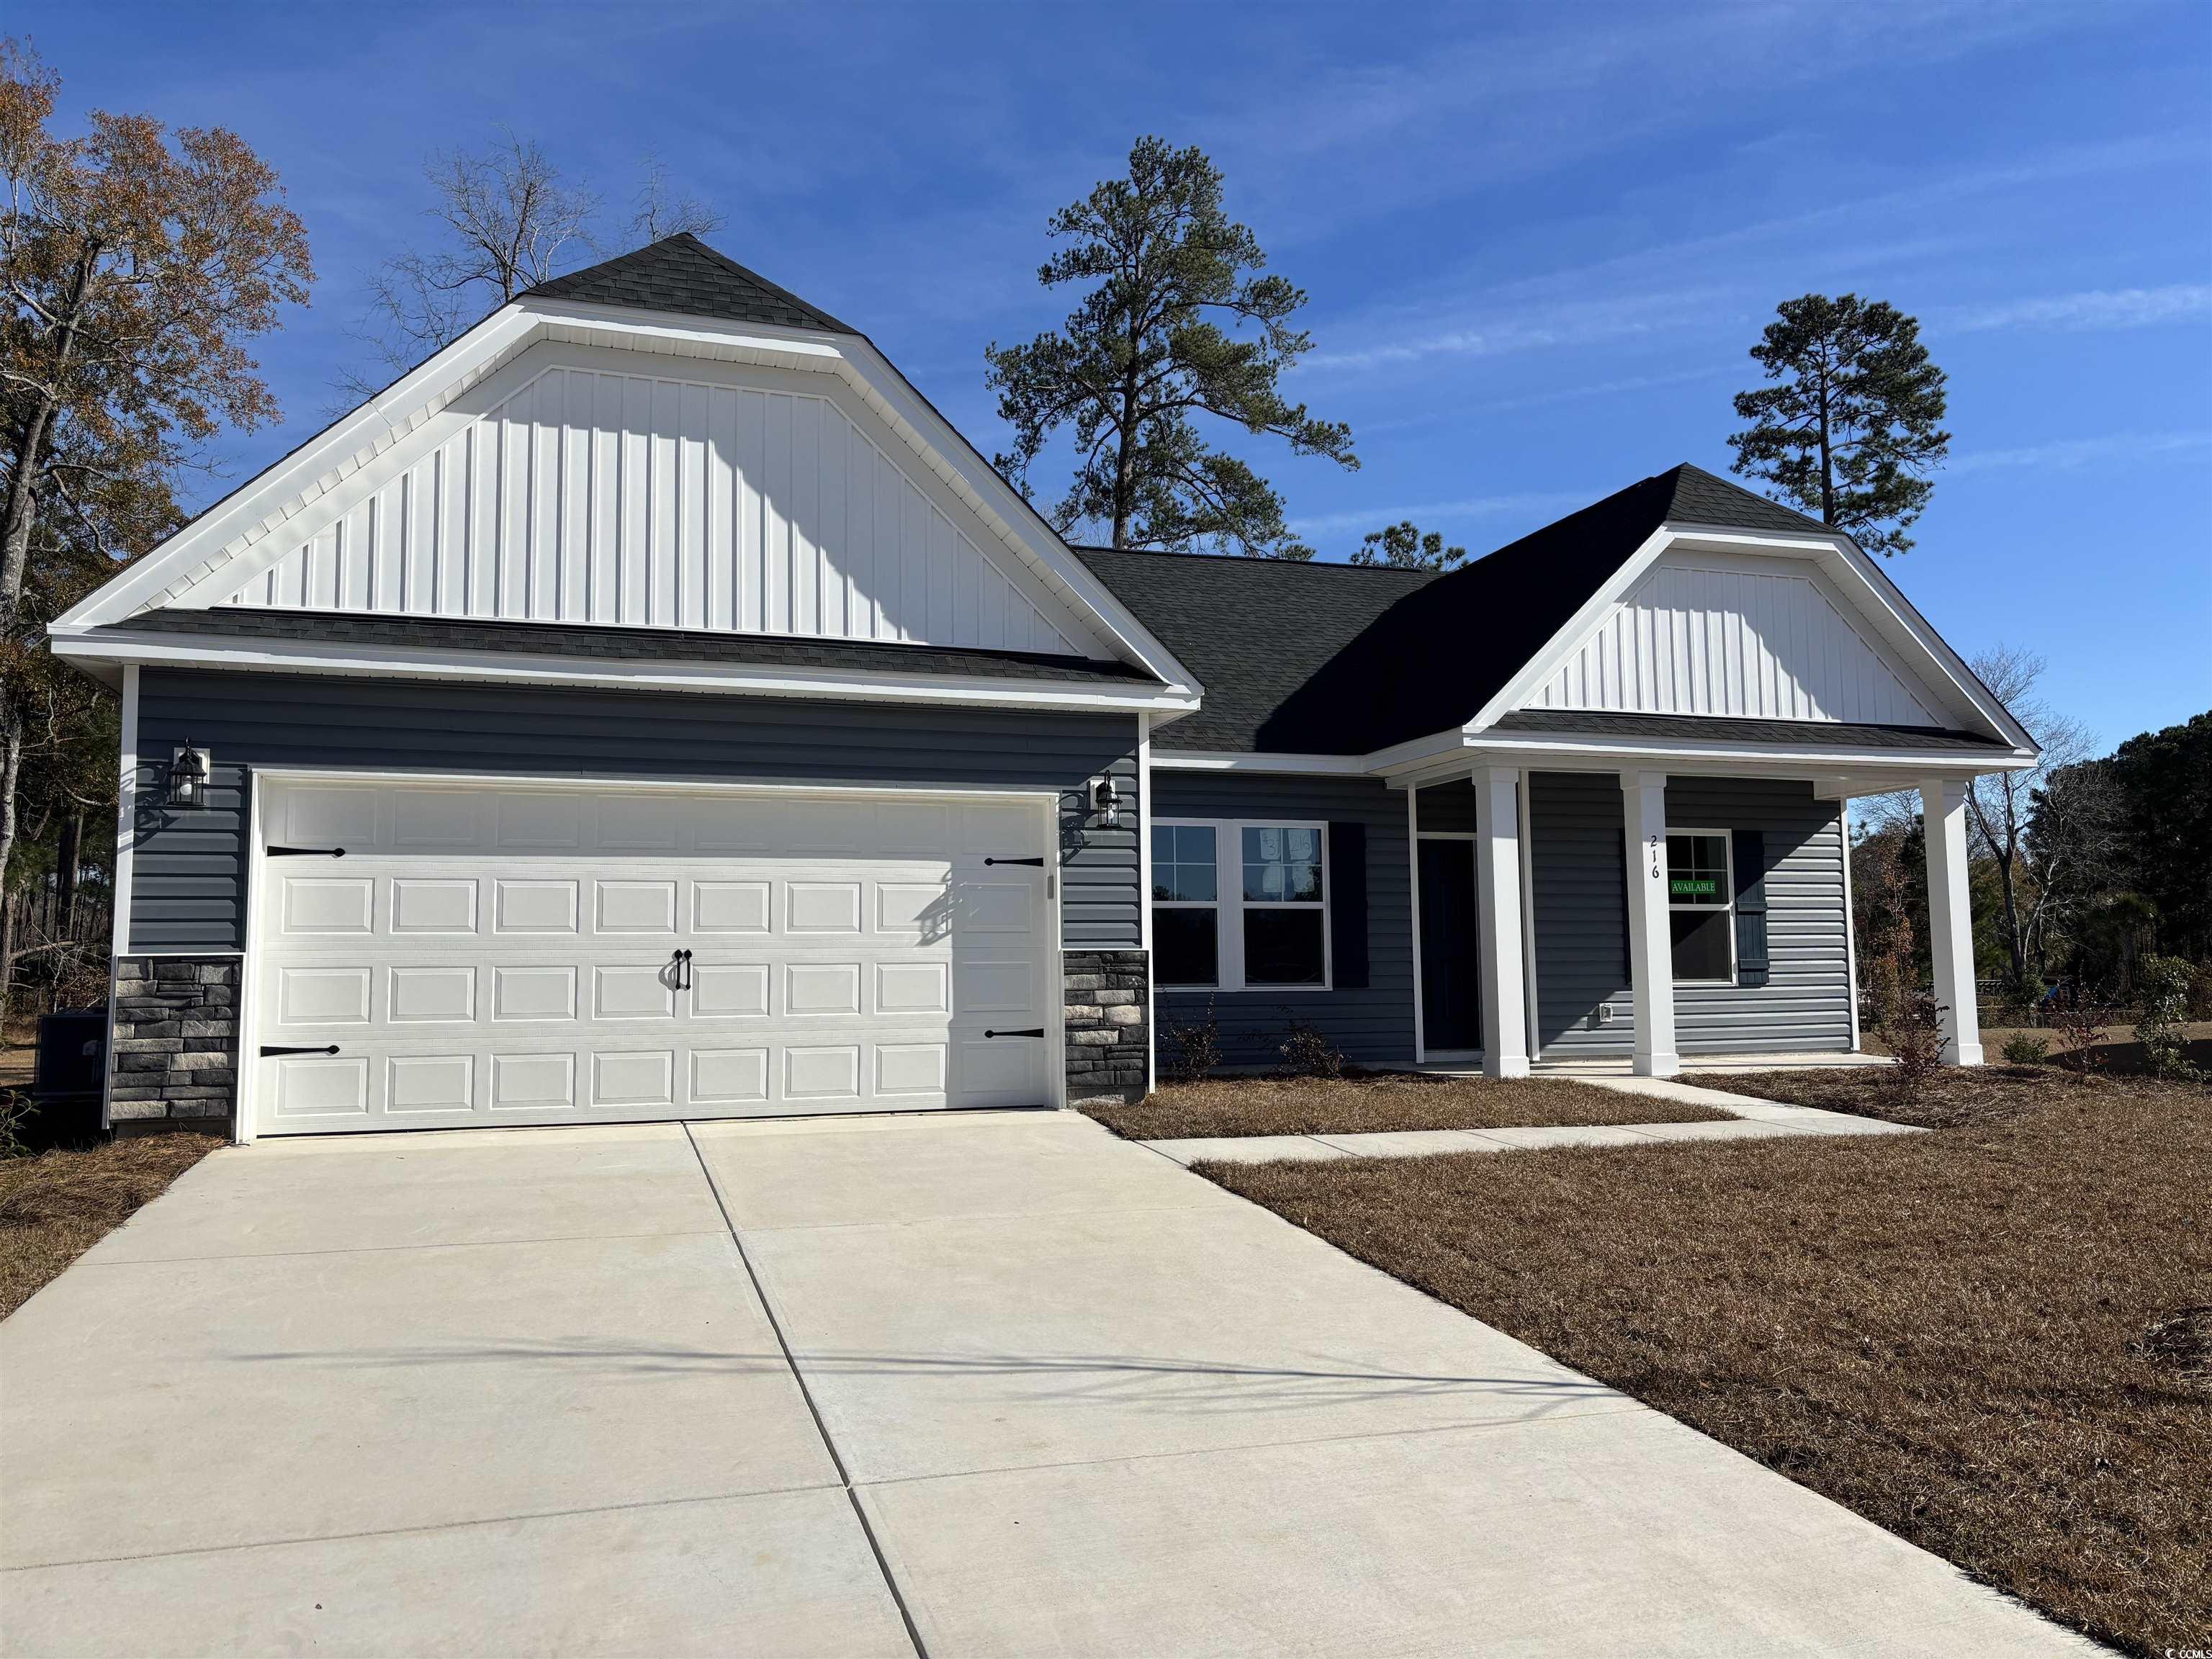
{"points": [[1559, 749], [1211, 760], [270, 497], [934, 440], [309, 656]]}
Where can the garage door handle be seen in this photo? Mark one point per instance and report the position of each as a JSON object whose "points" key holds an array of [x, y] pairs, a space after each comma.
{"points": [[1034, 864], [305, 852], [268, 1049], [1034, 1031]]}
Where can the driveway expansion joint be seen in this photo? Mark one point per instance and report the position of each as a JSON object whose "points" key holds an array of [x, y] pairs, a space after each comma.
{"points": [[799, 1379]]}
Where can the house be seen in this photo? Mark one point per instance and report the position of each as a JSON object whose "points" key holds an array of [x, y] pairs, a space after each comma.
{"points": [[650, 706]]}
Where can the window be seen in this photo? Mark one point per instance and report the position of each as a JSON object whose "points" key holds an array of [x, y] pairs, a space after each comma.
{"points": [[1283, 921], [1268, 880], [1186, 909], [1701, 899]]}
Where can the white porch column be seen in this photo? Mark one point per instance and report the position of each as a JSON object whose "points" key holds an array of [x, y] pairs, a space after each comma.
{"points": [[1651, 942], [1951, 918], [1497, 919]]}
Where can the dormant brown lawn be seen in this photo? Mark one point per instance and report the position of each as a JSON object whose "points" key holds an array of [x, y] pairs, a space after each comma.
{"points": [[1361, 1105], [57, 1205], [1994, 1339]]}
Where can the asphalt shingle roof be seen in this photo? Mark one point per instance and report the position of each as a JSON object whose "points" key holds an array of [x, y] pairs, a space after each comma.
{"points": [[655, 645], [1336, 659], [681, 274]]}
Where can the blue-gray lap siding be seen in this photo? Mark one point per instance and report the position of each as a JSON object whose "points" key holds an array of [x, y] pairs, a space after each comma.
{"points": [[1581, 919], [189, 869], [1373, 1025]]}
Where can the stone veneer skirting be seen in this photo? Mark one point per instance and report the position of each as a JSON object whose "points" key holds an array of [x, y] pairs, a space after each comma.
{"points": [[175, 1041], [1109, 1042]]}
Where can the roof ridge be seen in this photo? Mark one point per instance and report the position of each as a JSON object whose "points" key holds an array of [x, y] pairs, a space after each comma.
{"points": [[1242, 559]]}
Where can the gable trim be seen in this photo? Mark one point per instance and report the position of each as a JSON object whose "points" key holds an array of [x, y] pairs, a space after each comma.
{"points": [[289, 486], [1901, 627]]}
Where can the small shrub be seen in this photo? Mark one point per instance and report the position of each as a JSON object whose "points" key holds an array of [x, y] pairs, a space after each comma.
{"points": [[1915, 1035], [2163, 984], [1197, 1048], [1307, 1053], [2021, 1049], [2081, 1024], [15, 1111]]}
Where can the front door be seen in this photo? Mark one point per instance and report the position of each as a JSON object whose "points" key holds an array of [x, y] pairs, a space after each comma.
{"points": [[1451, 1003]]}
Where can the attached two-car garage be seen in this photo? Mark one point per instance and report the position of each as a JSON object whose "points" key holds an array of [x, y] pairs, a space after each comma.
{"points": [[429, 953]]}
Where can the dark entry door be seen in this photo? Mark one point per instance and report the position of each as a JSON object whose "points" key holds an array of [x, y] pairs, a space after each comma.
{"points": [[1451, 1006]]}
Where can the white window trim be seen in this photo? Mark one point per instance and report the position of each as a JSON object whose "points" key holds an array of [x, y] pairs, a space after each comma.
{"points": [[1727, 877], [1229, 880]]}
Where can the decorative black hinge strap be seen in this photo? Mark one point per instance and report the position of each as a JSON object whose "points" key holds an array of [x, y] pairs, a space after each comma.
{"points": [[268, 1049], [1037, 864], [305, 852], [1034, 1031]]}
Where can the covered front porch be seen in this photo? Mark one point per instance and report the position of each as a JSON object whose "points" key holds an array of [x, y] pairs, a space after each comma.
{"points": [[1590, 907]]}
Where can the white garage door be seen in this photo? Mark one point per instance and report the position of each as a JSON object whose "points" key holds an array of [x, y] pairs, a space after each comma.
{"points": [[511, 954]]}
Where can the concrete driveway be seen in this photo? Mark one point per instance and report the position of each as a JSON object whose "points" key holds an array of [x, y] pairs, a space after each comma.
{"points": [[989, 1384]]}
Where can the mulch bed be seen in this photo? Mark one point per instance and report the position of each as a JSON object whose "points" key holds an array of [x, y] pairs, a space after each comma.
{"points": [[57, 1204], [1994, 1340], [1375, 1103]]}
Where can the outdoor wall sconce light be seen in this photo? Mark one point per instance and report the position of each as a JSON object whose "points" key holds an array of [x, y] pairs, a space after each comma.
{"points": [[188, 776], [1106, 801]]}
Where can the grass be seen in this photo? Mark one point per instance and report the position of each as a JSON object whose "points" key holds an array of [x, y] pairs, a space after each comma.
{"points": [[1994, 1340], [1373, 1104], [56, 1206]]}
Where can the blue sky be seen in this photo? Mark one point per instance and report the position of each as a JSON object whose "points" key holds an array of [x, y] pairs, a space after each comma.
{"points": [[1538, 240]]}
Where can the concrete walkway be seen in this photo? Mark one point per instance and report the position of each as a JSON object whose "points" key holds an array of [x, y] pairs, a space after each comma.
{"points": [[970, 1385], [1752, 1119]]}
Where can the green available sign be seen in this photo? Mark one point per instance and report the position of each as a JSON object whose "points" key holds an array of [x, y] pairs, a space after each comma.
{"points": [[1694, 886]]}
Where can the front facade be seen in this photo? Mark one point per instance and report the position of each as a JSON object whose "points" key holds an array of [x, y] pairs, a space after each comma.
{"points": [[651, 708]]}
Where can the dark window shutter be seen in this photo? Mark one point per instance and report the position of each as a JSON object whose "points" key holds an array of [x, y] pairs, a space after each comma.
{"points": [[1750, 907], [1347, 906]]}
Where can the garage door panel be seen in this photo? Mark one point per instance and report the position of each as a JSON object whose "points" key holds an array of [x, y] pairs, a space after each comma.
{"points": [[633, 992], [494, 956], [418, 1084], [325, 907], [731, 906], [536, 907], [441, 905], [533, 1082], [533, 994]]}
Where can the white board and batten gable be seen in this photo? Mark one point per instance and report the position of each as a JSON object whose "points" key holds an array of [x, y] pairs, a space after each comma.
{"points": [[1714, 633], [584, 464], [648, 497]]}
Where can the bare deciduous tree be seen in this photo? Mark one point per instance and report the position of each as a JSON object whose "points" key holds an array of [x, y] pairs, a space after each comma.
{"points": [[2000, 808], [508, 221], [507, 216], [657, 211]]}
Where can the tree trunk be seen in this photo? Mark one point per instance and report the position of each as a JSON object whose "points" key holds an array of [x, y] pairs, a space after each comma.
{"points": [[11, 774], [1827, 471], [67, 856]]}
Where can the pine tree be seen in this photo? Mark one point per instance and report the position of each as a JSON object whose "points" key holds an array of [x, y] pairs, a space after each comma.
{"points": [[1404, 546], [1158, 340], [1853, 425]]}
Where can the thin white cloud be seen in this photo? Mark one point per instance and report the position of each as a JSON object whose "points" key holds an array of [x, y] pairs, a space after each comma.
{"points": [[2094, 311], [1429, 514], [2068, 452], [1539, 329]]}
